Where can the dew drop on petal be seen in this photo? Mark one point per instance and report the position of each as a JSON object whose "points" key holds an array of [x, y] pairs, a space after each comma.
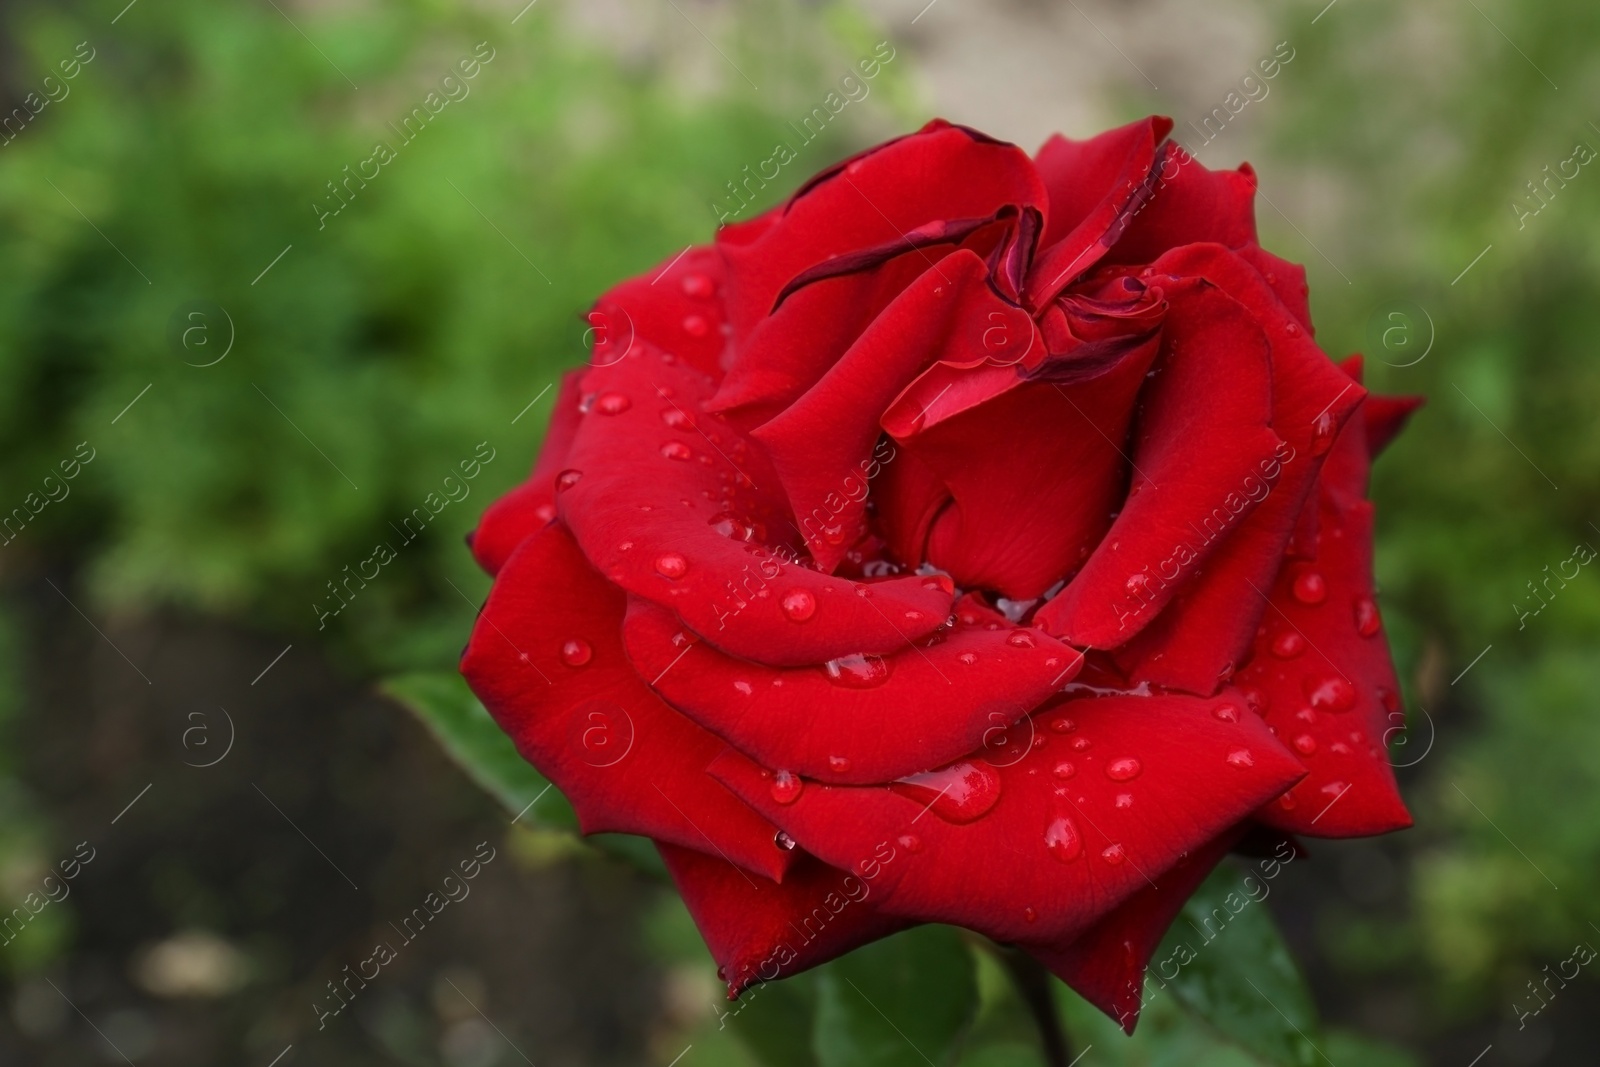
{"points": [[1064, 769], [1080, 744], [612, 404], [910, 842], [671, 565], [1063, 725], [1288, 644], [1020, 639], [676, 450], [799, 605], [1240, 757], [1322, 432], [576, 652], [568, 478], [696, 325], [1305, 744], [784, 841], [1332, 693], [743, 688], [676, 418], [838, 764], [786, 787], [959, 793], [1113, 854], [1310, 588], [1122, 770], [969, 658], [1368, 622], [1061, 837], [698, 286], [1029, 915], [1124, 801], [1226, 712]]}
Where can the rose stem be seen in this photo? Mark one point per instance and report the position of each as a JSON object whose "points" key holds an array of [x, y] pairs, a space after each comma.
{"points": [[1034, 983]]}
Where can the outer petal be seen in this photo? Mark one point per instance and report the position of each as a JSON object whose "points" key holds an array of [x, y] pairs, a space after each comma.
{"points": [[1208, 633], [758, 930], [860, 719], [671, 503], [1107, 963], [1071, 849], [675, 305], [546, 659], [1203, 435], [1322, 674], [530, 505]]}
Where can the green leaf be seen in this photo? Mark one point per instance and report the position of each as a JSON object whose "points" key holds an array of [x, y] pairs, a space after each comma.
{"points": [[903, 1002], [1233, 970]]}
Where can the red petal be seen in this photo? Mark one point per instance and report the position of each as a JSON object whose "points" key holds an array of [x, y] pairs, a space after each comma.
{"points": [[939, 174], [1183, 791], [675, 305], [822, 444], [1194, 646], [861, 719], [546, 659], [1322, 671], [1203, 434], [1106, 964], [666, 497], [758, 930], [1188, 204], [1096, 187], [529, 506]]}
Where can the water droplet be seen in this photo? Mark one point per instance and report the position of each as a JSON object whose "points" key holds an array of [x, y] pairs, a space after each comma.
{"points": [[1226, 712], [743, 688], [913, 616], [1332, 693], [838, 764], [1061, 837], [1124, 800], [576, 652], [1241, 757], [968, 658], [784, 841], [676, 450], [1322, 433], [1259, 701], [544, 512], [1305, 744], [1333, 789], [1286, 802], [698, 286], [1368, 622], [1137, 583], [1020, 639], [959, 793], [612, 404], [1064, 769], [1306, 715], [1063, 725], [626, 546], [567, 479], [1288, 644], [786, 787], [696, 325], [1080, 744], [671, 565], [910, 842], [799, 605], [676, 418], [1029, 915], [1113, 854], [1293, 329], [1122, 770], [1310, 588]]}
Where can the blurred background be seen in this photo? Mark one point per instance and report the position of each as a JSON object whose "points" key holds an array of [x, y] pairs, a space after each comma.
{"points": [[228, 368]]}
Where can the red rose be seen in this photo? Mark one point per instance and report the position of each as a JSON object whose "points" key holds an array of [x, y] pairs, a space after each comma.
{"points": [[973, 539]]}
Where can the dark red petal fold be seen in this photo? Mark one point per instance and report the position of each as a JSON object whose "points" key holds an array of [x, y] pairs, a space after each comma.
{"points": [[859, 719], [546, 659], [758, 930], [1189, 204], [1054, 822]]}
